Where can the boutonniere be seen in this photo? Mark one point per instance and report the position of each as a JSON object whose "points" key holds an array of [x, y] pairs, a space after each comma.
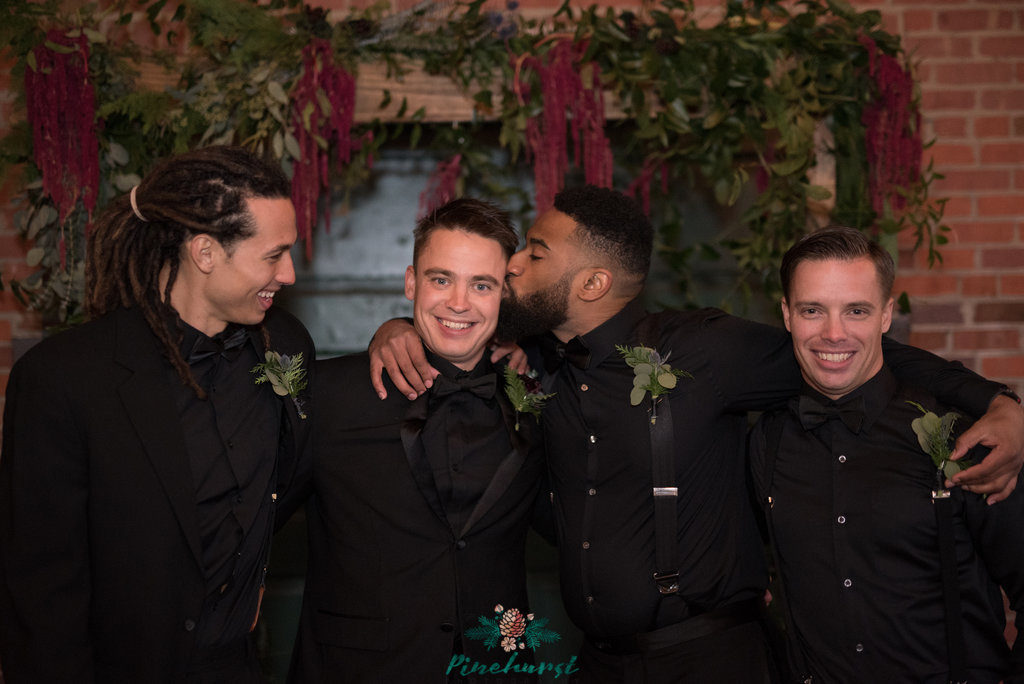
{"points": [[285, 374], [651, 373], [933, 434], [525, 393]]}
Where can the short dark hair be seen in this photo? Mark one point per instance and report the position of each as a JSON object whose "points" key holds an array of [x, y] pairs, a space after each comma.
{"points": [[842, 243], [471, 216], [611, 224], [140, 233]]}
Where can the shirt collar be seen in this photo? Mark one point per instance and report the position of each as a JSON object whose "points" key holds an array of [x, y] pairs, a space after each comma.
{"points": [[618, 329]]}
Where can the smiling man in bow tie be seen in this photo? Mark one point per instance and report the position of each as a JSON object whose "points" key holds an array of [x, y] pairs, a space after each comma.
{"points": [[418, 523], [856, 508]]}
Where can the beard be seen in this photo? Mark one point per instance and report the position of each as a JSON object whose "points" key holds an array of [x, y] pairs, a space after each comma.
{"points": [[534, 314]]}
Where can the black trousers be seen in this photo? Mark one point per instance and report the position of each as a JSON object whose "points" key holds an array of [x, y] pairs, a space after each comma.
{"points": [[739, 655]]}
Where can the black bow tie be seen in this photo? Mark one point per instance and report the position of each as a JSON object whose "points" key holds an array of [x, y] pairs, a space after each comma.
{"points": [[226, 343], [813, 413], [555, 352], [482, 386]]}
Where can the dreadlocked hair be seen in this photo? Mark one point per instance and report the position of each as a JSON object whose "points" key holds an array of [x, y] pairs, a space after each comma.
{"points": [[203, 191]]}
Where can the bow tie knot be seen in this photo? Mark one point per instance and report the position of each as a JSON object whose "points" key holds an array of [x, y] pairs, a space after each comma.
{"points": [[813, 413], [225, 343], [482, 386]]}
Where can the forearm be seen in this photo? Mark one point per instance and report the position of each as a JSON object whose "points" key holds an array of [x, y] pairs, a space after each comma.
{"points": [[948, 381]]}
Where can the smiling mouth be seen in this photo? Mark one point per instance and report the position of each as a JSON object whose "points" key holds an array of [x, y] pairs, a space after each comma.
{"points": [[454, 325], [834, 357]]}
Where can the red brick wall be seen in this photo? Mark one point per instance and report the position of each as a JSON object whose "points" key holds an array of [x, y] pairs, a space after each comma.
{"points": [[972, 84], [972, 76]]}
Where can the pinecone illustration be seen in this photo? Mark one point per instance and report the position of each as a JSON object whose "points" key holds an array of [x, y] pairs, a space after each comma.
{"points": [[512, 623]]}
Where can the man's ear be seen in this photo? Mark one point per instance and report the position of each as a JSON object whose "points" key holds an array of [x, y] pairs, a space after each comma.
{"points": [[887, 314], [200, 250], [410, 283], [594, 283], [785, 313]]}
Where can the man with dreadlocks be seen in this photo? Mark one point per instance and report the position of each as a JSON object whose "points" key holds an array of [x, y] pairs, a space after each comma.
{"points": [[142, 459]]}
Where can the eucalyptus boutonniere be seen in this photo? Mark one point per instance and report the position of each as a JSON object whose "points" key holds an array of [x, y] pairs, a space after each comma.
{"points": [[285, 374], [933, 434], [651, 373], [525, 393]]}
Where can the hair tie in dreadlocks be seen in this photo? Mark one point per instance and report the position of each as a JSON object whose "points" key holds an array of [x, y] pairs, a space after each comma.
{"points": [[135, 207]]}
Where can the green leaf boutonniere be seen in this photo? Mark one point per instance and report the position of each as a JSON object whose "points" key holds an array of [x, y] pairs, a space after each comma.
{"points": [[933, 434], [525, 393], [285, 374], [651, 373]]}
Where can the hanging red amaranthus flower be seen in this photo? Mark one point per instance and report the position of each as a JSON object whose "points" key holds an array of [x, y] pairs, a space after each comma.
{"points": [[61, 109], [571, 92], [640, 188], [892, 131], [441, 185], [321, 77]]}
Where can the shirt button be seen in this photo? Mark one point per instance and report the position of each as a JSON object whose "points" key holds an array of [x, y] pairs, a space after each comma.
{"points": [[273, 497], [584, 387], [841, 520], [842, 458], [859, 648], [447, 627], [847, 583], [593, 439], [461, 544], [190, 625], [590, 600], [586, 545], [591, 491]]}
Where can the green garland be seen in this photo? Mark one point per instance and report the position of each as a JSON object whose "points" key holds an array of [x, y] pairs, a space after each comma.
{"points": [[705, 106]]}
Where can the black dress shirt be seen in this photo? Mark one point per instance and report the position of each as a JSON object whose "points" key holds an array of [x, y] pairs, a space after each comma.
{"points": [[232, 441], [464, 436], [856, 538], [598, 449]]}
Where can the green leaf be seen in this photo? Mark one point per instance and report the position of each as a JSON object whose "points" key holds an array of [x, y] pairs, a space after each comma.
{"points": [[94, 36], [43, 217], [118, 154], [276, 91], [636, 395], [667, 380], [951, 468], [292, 145], [788, 166], [35, 256]]}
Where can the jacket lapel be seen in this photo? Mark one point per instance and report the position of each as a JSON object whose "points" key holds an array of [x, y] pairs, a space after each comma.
{"points": [[412, 427], [292, 423], [151, 409], [507, 469]]}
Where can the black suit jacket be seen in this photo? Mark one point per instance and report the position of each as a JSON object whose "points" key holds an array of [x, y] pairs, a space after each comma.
{"points": [[100, 556], [390, 586]]}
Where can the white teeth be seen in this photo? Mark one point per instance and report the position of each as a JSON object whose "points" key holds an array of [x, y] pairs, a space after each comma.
{"points": [[266, 294], [834, 357], [454, 325]]}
